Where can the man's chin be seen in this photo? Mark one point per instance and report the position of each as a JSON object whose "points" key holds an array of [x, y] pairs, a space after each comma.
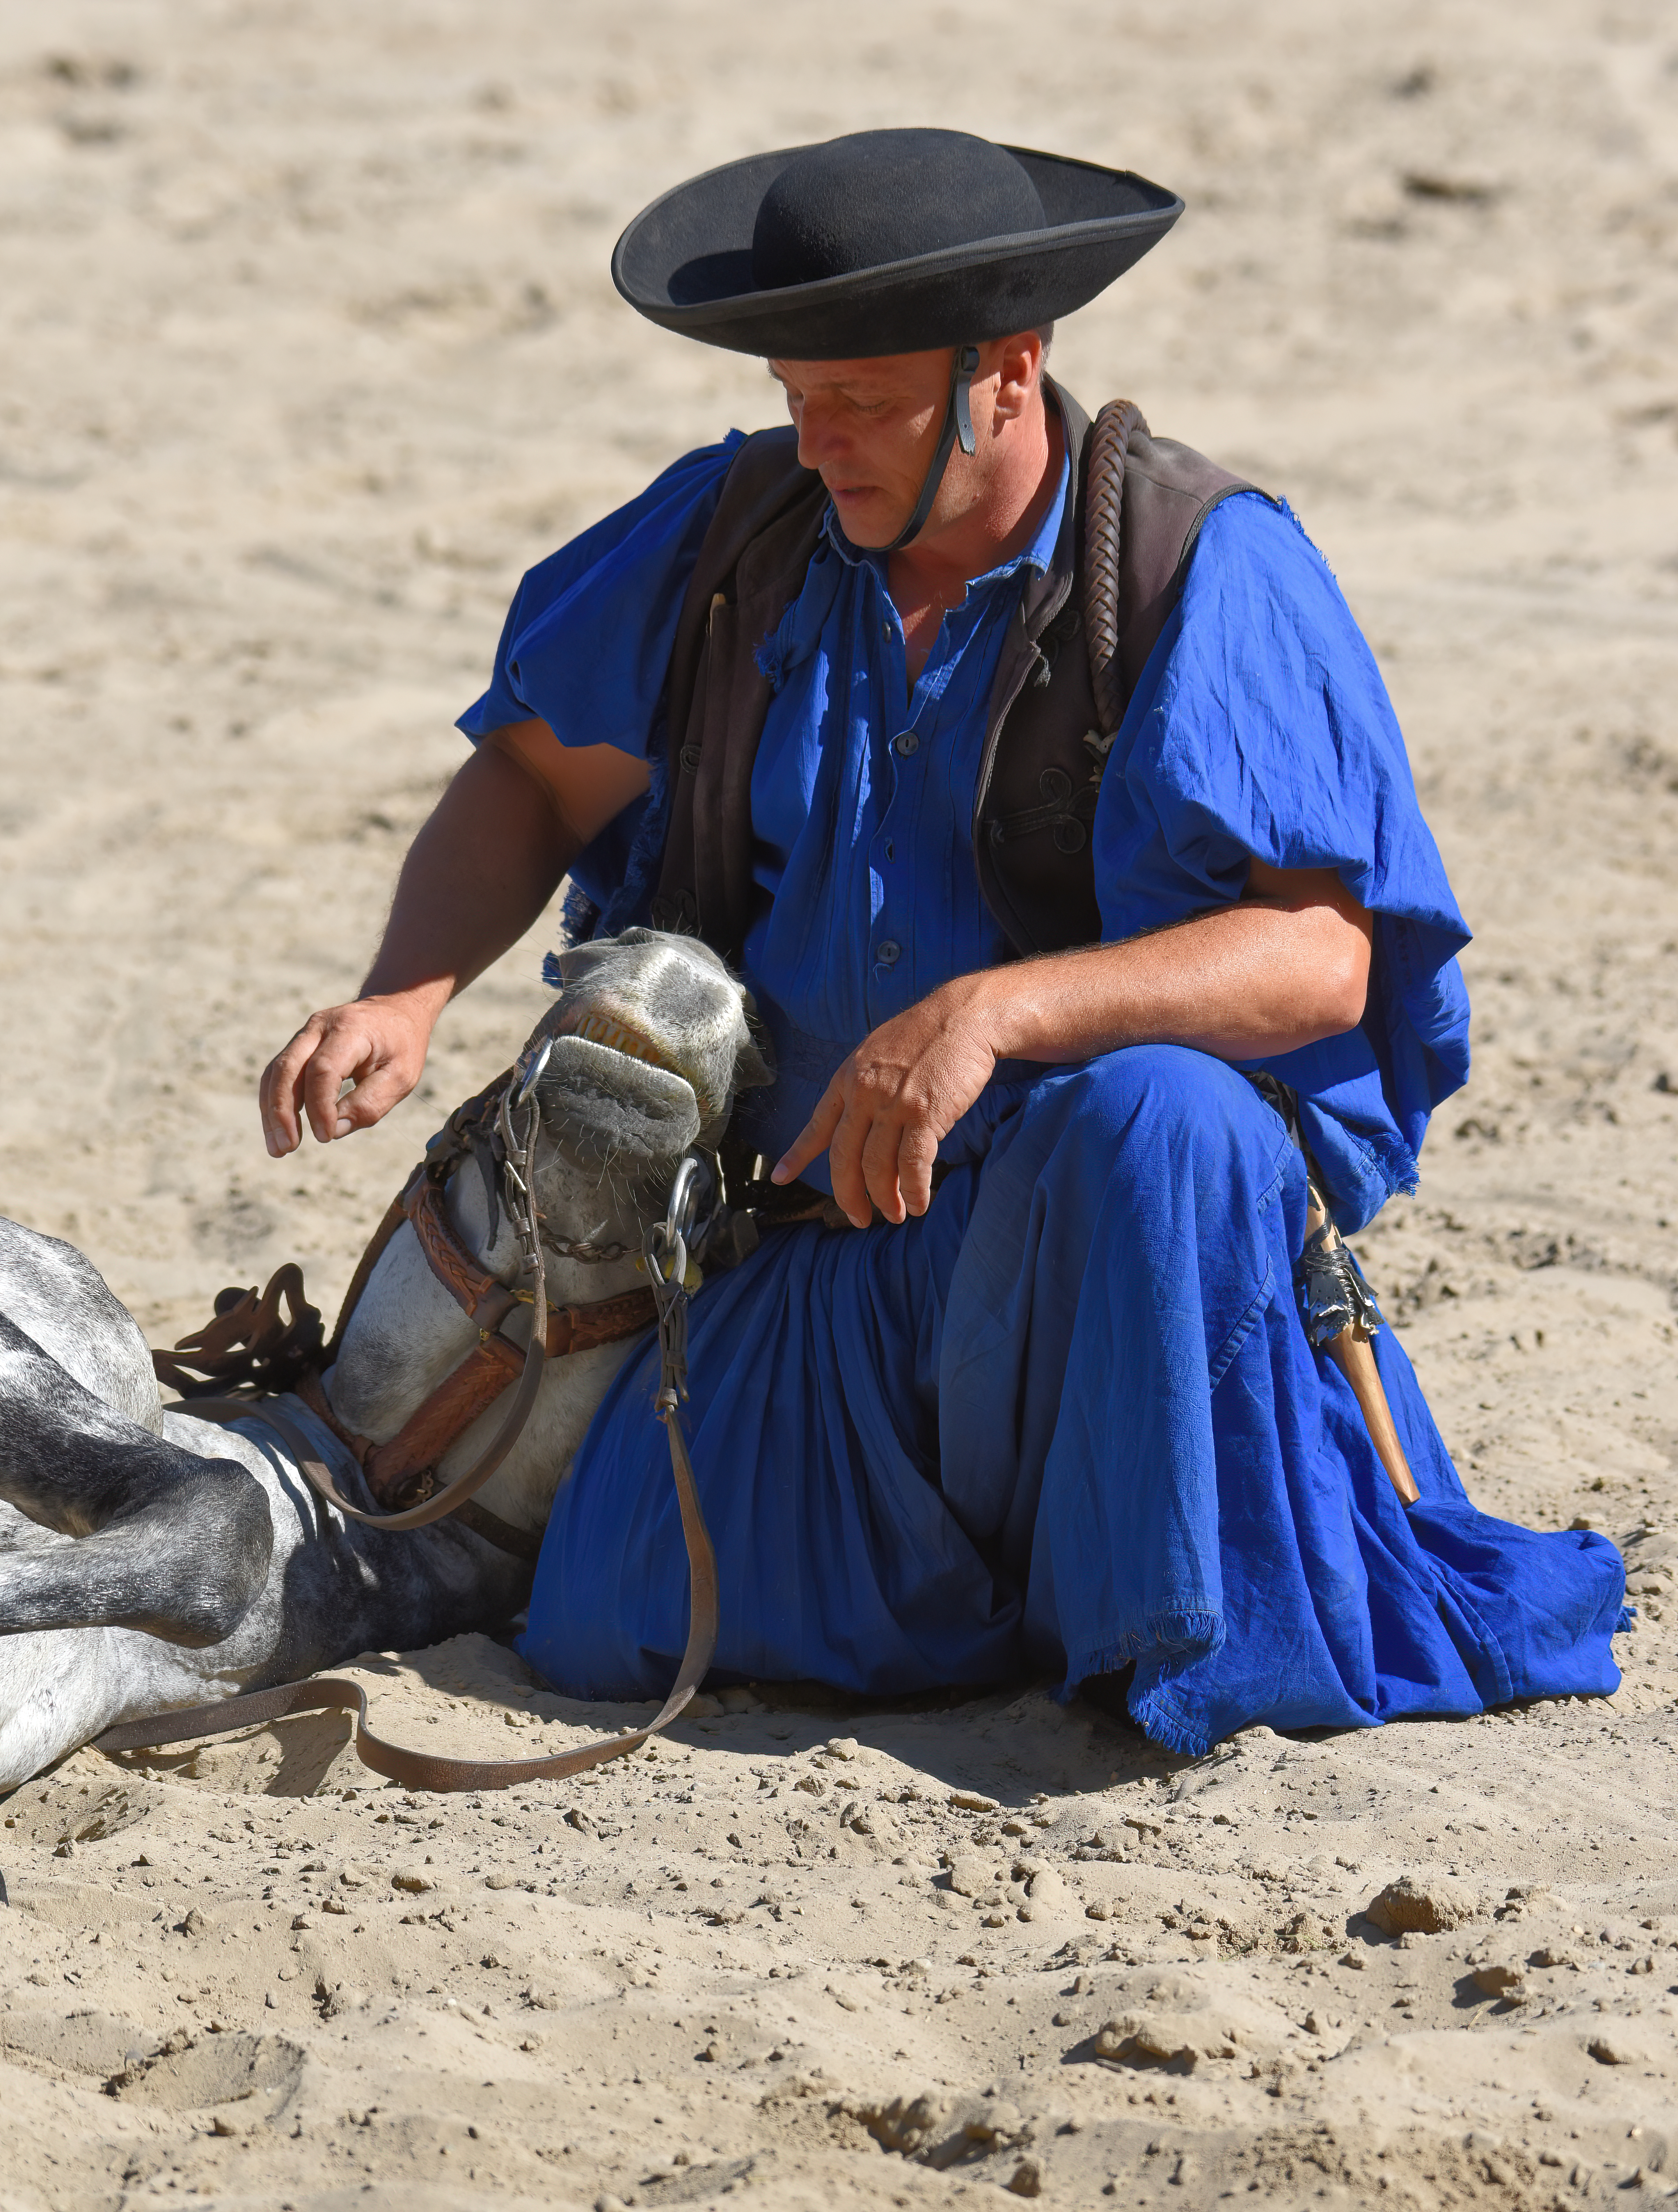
{"points": [[868, 518]]}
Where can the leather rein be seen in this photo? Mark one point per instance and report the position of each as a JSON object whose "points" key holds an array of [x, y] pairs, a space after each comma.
{"points": [[247, 1341]]}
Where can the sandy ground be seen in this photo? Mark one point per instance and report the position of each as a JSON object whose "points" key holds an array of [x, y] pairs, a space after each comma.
{"points": [[310, 349]]}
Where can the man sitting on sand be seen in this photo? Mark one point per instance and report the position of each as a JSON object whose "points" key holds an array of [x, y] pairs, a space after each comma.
{"points": [[1043, 789]]}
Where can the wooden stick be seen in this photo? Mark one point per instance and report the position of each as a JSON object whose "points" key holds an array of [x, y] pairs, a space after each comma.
{"points": [[1353, 1354]]}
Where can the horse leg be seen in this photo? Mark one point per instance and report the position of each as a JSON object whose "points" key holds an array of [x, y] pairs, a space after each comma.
{"points": [[60, 1688], [60, 1298], [170, 1543]]}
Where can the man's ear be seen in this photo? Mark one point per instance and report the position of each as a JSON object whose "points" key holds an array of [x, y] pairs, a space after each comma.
{"points": [[1019, 373]]}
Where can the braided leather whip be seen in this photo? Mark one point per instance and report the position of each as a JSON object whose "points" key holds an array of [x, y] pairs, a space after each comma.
{"points": [[1109, 442]]}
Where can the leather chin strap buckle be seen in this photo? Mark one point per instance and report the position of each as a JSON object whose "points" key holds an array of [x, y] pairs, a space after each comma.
{"points": [[957, 423], [967, 368]]}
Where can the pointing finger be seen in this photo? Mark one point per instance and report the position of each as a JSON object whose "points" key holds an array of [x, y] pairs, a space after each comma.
{"points": [[813, 1140], [915, 1159], [844, 1162]]}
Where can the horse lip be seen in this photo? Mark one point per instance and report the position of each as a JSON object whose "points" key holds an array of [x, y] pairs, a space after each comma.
{"points": [[615, 1035]]}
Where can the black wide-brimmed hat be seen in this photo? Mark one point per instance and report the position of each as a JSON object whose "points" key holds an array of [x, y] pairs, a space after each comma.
{"points": [[884, 242]]}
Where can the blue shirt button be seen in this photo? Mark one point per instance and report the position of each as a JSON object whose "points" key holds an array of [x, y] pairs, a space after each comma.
{"points": [[889, 953], [906, 744]]}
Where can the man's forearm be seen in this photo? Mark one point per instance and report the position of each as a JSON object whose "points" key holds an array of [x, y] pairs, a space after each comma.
{"points": [[477, 875], [1243, 982]]}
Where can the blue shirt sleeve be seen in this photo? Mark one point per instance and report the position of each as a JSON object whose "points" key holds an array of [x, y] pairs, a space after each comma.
{"points": [[586, 644], [1261, 728]]}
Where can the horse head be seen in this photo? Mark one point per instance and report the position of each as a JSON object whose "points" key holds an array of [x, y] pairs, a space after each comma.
{"points": [[638, 1061], [648, 1046]]}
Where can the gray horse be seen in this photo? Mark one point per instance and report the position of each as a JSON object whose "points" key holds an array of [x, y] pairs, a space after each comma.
{"points": [[149, 1559]]}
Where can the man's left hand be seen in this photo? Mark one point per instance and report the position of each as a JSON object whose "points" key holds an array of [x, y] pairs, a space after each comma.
{"points": [[904, 1089]]}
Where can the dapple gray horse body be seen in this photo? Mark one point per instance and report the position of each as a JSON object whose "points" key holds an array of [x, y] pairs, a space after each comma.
{"points": [[150, 1559]]}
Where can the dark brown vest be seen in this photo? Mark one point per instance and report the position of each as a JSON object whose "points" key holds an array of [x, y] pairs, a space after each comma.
{"points": [[1045, 743]]}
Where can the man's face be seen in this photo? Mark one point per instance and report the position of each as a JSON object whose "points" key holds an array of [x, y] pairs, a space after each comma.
{"points": [[871, 427]]}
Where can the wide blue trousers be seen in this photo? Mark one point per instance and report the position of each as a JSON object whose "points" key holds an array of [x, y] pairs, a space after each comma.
{"points": [[1067, 1422]]}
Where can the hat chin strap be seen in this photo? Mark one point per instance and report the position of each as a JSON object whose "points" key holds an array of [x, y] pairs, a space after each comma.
{"points": [[957, 423]]}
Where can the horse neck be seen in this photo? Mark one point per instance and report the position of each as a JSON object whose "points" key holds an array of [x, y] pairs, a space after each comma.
{"points": [[521, 1491]]}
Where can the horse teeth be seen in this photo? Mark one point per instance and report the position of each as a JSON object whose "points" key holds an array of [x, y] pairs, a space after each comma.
{"points": [[602, 1030]]}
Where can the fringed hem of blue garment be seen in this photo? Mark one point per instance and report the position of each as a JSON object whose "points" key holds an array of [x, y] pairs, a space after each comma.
{"points": [[1175, 1634], [1167, 1731]]}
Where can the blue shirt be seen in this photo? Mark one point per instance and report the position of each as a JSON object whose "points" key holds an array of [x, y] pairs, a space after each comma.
{"points": [[862, 797], [1260, 727]]}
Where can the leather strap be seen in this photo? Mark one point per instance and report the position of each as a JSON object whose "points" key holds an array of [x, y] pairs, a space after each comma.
{"points": [[417, 1770], [395, 1470], [488, 1301], [478, 1293], [477, 1383], [604, 1321], [957, 423], [392, 1468], [318, 1475], [246, 1341], [523, 1543], [312, 1391]]}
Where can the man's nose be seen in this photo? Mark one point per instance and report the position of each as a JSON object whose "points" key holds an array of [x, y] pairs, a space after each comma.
{"points": [[820, 440]]}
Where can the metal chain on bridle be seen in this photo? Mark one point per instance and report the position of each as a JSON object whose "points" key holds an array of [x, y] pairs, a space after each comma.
{"points": [[591, 1254]]}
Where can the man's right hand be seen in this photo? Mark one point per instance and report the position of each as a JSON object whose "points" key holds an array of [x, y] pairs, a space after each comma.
{"points": [[379, 1044]]}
